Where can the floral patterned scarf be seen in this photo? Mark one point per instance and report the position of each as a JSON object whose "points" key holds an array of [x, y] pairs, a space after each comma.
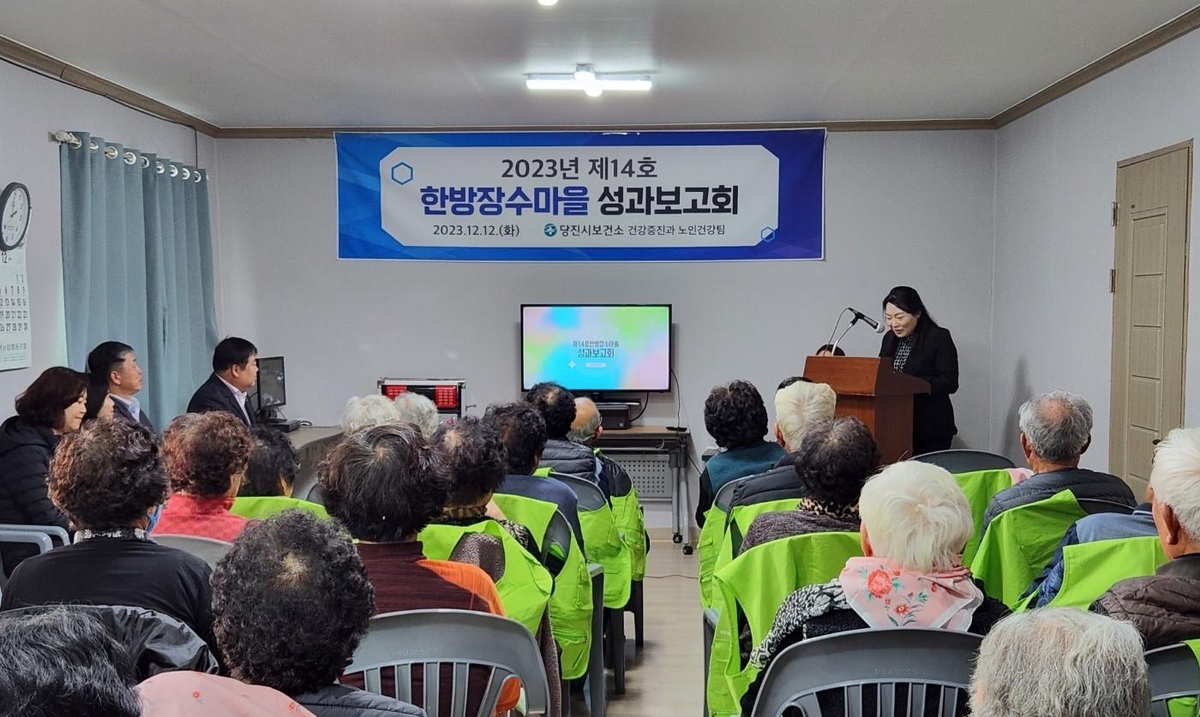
{"points": [[886, 595]]}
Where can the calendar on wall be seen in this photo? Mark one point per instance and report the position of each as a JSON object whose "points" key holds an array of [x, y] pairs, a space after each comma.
{"points": [[14, 286]]}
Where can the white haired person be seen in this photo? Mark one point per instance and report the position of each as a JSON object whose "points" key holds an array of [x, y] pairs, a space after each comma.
{"points": [[368, 411], [915, 522], [419, 411], [1165, 607], [1060, 662]]}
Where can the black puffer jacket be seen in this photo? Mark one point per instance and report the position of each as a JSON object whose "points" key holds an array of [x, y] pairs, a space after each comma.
{"points": [[573, 459], [342, 701], [1164, 607], [25, 452]]}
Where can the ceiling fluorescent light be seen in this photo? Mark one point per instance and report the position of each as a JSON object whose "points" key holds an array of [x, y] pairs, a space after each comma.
{"points": [[586, 79], [547, 3]]}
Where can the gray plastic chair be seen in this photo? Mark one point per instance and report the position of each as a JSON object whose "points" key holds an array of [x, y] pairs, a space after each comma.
{"points": [[592, 498], [455, 638], [965, 460], [207, 549], [32, 537], [55, 532], [1173, 673], [879, 660], [558, 535]]}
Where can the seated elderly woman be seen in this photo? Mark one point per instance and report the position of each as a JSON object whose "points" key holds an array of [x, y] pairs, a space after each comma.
{"points": [[420, 411], [385, 484], [109, 480], [474, 460], [833, 462], [1060, 662], [63, 662], [206, 456], [271, 470], [736, 418], [1165, 607], [294, 564], [915, 522], [51, 407], [363, 412]]}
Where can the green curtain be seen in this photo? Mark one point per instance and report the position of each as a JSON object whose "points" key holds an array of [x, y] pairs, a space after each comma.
{"points": [[137, 266]]}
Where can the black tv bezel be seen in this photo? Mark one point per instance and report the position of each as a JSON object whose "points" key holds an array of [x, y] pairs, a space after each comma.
{"points": [[258, 407], [670, 346]]}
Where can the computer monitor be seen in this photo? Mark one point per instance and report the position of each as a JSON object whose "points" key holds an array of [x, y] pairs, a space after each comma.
{"points": [[272, 384], [597, 348]]}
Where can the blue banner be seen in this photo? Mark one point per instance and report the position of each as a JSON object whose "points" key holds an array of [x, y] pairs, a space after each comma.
{"points": [[582, 196]]}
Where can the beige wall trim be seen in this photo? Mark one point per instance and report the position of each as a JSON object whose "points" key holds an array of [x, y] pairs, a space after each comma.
{"points": [[44, 64], [848, 126], [1119, 57]]}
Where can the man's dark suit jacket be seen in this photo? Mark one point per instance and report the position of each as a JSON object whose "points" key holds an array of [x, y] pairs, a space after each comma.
{"points": [[934, 359], [120, 409], [214, 395]]}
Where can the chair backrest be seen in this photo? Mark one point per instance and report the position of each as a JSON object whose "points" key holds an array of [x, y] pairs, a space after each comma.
{"points": [[712, 534], [589, 494], [980, 487], [207, 549], [156, 642], [931, 663], [1090, 569], [38, 538], [559, 537], [459, 639], [602, 539], [750, 590], [738, 523], [1174, 679], [965, 460], [1020, 542], [55, 532]]}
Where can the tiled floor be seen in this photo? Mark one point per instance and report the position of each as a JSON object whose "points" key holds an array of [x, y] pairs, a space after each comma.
{"points": [[666, 676]]}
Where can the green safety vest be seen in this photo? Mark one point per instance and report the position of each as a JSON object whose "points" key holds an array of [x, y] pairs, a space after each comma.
{"points": [[1185, 706], [753, 586], [980, 487], [262, 507], [1090, 569], [1019, 542], [738, 524], [603, 544], [631, 523], [707, 547], [571, 602], [525, 586]]}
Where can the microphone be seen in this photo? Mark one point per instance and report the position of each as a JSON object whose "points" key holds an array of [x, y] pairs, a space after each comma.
{"points": [[863, 317]]}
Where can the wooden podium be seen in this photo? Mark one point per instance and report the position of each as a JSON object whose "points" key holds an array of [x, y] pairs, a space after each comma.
{"points": [[876, 394]]}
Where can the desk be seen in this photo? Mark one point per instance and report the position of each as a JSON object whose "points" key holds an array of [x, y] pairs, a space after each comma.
{"points": [[312, 444], [657, 440]]}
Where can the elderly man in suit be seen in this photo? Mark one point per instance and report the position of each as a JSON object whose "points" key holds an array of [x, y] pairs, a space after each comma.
{"points": [[235, 372], [114, 365]]}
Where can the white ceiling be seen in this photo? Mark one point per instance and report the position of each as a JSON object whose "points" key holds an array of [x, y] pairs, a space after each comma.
{"points": [[296, 63]]}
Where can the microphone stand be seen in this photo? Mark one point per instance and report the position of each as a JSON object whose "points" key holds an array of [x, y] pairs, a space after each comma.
{"points": [[835, 326], [839, 338]]}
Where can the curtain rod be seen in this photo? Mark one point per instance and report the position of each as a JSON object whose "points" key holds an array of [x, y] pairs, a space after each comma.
{"points": [[130, 158]]}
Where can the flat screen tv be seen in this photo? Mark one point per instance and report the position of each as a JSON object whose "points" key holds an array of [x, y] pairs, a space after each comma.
{"points": [[593, 348]]}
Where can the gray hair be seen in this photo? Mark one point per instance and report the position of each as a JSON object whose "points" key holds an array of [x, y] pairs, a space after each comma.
{"points": [[585, 432], [799, 405], [1175, 477], [367, 411], [916, 515], [418, 410], [1061, 662], [1058, 425]]}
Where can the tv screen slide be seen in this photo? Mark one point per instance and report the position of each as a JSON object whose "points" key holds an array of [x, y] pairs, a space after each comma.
{"points": [[597, 348]]}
